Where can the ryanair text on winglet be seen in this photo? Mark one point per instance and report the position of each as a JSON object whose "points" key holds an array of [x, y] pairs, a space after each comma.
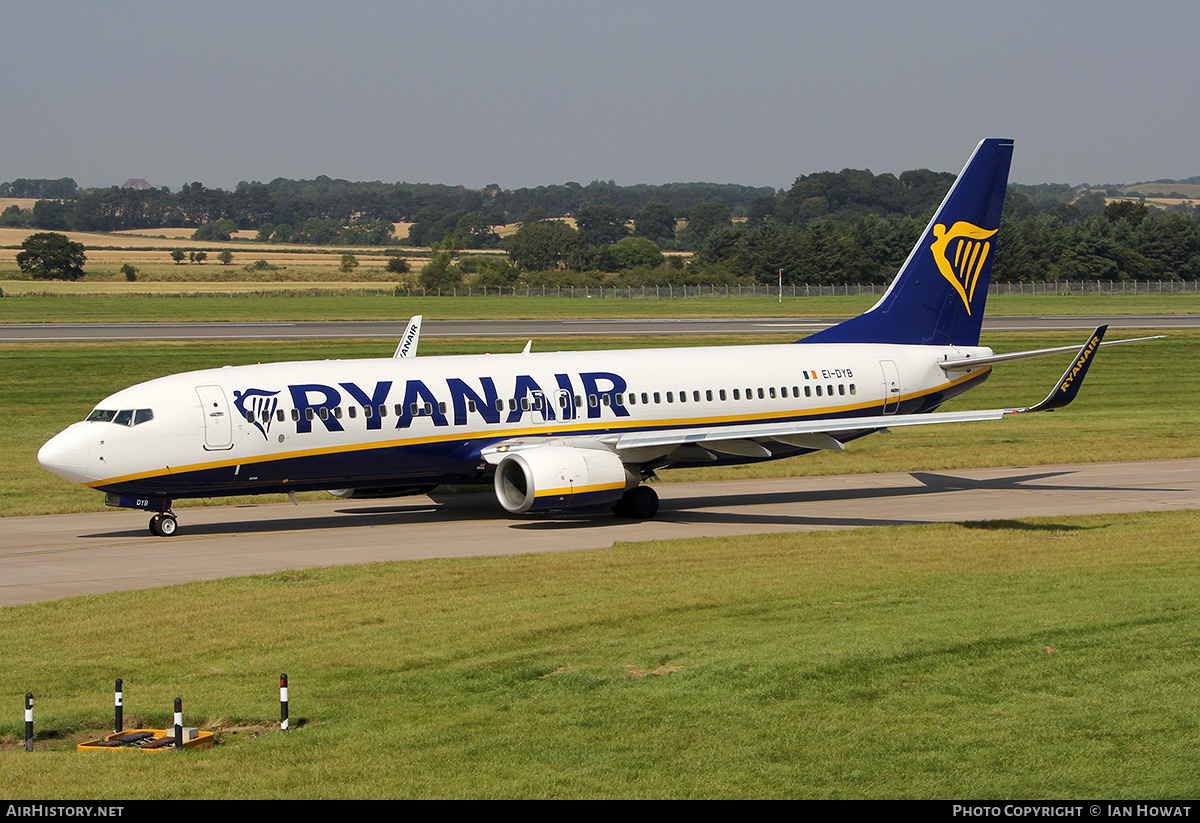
{"points": [[1084, 356]]}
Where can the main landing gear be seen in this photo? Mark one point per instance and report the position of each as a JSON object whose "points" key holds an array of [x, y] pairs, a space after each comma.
{"points": [[163, 525], [639, 503]]}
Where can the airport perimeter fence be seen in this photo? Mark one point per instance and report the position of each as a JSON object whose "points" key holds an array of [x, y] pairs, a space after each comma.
{"points": [[791, 291], [799, 290]]}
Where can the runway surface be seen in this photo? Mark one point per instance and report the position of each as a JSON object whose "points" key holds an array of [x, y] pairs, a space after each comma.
{"points": [[76, 332], [44, 558]]}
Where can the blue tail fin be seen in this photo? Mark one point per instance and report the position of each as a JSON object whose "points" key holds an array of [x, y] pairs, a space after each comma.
{"points": [[939, 295]]}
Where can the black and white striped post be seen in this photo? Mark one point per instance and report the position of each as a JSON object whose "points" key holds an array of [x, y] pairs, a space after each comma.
{"points": [[283, 703], [28, 721], [179, 722], [118, 708]]}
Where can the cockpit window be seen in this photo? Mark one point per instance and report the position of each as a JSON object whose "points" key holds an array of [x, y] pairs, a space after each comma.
{"points": [[124, 417]]}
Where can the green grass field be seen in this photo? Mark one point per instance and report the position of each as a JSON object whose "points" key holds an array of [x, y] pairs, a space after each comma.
{"points": [[1050, 658]]}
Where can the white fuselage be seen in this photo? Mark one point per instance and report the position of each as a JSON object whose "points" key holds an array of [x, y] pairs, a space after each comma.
{"points": [[338, 424]]}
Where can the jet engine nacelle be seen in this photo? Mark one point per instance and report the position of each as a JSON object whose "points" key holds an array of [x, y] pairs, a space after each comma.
{"points": [[553, 478]]}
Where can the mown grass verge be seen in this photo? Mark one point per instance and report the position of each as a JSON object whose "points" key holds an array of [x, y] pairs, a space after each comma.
{"points": [[1047, 658]]}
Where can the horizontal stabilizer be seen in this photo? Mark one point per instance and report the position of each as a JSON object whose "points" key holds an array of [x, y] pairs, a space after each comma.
{"points": [[968, 363]]}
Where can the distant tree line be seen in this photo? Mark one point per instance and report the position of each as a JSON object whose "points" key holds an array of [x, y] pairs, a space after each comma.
{"points": [[850, 226], [857, 240], [22, 187], [282, 202]]}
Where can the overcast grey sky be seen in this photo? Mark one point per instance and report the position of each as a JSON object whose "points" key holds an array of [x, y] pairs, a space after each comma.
{"points": [[529, 92]]}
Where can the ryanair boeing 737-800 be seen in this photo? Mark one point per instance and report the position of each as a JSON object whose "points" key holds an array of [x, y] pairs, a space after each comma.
{"points": [[567, 430]]}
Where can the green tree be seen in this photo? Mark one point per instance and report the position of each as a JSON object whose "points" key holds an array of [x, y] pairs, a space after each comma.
{"points": [[51, 214], [655, 222], [635, 251], [14, 218], [396, 265], [602, 225], [489, 271], [1091, 203], [440, 272], [543, 246], [219, 230], [179, 255], [51, 256], [130, 271], [1126, 210], [226, 257], [478, 230], [702, 221], [431, 223], [349, 263]]}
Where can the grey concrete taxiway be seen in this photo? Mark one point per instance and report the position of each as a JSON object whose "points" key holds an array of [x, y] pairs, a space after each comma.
{"points": [[750, 326], [44, 558]]}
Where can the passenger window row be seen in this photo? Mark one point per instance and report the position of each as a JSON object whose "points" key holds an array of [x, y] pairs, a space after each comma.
{"points": [[535, 403], [761, 393]]}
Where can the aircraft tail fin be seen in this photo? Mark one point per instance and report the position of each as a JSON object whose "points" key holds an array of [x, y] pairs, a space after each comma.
{"points": [[938, 296]]}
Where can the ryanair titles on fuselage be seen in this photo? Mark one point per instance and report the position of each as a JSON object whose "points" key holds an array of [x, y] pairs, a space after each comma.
{"points": [[588, 395], [314, 403]]}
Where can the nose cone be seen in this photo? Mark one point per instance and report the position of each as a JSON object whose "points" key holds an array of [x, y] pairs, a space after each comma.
{"points": [[66, 454]]}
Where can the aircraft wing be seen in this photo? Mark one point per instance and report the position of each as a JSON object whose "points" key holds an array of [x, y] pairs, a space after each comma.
{"points": [[818, 433], [635, 447], [808, 434]]}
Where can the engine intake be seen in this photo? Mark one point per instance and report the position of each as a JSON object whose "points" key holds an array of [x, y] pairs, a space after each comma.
{"points": [[555, 478]]}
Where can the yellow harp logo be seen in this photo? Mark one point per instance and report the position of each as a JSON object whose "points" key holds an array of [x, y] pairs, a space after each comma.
{"points": [[960, 255]]}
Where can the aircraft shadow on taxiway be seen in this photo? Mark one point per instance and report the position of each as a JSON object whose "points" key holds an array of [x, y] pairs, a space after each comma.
{"points": [[678, 510], [693, 509]]}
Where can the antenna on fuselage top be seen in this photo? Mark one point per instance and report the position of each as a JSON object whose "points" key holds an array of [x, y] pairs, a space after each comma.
{"points": [[408, 342]]}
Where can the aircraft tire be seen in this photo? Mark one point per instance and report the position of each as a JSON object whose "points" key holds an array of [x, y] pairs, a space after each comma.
{"points": [[163, 525], [640, 503]]}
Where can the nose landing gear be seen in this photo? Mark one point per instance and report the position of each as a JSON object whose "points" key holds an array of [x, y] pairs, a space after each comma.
{"points": [[163, 525]]}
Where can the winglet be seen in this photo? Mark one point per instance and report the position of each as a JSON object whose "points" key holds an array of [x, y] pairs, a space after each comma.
{"points": [[412, 335], [1068, 386]]}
